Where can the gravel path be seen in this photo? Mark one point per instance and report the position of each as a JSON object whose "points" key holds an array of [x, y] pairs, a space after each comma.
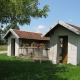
{"points": [[2, 52]]}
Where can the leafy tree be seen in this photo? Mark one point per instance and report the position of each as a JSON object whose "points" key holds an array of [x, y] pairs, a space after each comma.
{"points": [[12, 26], [2, 32], [21, 11]]}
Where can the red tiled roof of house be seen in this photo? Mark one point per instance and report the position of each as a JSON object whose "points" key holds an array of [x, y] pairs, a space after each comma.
{"points": [[76, 27], [30, 35], [71, 27]]}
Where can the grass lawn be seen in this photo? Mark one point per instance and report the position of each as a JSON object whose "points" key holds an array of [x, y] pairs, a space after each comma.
{"points": [[3, 47], [12, 68]]}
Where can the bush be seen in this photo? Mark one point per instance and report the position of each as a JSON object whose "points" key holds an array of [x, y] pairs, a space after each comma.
{"points": [[3, 42], [42, 45], [25, 44], [33, 44]]}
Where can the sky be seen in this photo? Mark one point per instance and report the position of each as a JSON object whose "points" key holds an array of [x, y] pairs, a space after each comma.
{"points": [[64, 10]]}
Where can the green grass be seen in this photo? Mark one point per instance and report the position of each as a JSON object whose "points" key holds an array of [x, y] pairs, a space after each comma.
{"points": [[3, 47], [12, 68]]}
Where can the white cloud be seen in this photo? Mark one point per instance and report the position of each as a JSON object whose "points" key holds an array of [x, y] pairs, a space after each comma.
{"points": [[40, 27], [70, 20], [37, 31]]}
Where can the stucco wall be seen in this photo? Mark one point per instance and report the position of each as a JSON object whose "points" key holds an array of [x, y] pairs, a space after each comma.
{"points": [[72, 45], [9, 47], [78, 50], [16, 45], [53, 48]]}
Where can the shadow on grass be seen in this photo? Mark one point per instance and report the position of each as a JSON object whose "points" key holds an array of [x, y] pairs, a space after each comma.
{"points": [[29, 70]]}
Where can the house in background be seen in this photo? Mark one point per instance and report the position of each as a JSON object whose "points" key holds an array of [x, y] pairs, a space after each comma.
{"points": [[64, 43], [17, 37]]}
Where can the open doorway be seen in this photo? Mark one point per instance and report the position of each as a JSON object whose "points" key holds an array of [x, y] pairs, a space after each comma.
{"points": [[13, 47], [63, 49]]}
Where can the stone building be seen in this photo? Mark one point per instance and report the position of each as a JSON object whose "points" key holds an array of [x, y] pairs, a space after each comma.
{"points": [[64, 43], [17, 37]]}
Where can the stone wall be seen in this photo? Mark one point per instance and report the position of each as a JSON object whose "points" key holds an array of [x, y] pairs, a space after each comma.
{"points": [[72, 45], [11, 47], [36, 52]]}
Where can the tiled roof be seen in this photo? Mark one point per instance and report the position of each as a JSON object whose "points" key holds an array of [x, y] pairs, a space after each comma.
{"points": [[70, 27], [30, 35], [76, 27]]}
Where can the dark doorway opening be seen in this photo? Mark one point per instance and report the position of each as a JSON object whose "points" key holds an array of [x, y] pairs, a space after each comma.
{"points": [[12, 47], [63, 49]]}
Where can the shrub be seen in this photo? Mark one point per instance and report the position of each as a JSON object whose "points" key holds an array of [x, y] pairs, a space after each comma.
{"points": [[42, 45], [25, 44], [33, 44]]}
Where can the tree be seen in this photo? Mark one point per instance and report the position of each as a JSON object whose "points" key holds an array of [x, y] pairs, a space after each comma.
{"points": [[12, 26], [21, 11], [2, 32]]}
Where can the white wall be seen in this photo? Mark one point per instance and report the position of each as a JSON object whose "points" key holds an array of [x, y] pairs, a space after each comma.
{"points": [[72, 49], [78, 56], [72, 45], [9, 47], [16, 45], [53, 48]]}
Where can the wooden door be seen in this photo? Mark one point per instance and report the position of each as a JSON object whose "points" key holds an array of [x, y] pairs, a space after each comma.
{"points": [[13, 47], [65, 49]]}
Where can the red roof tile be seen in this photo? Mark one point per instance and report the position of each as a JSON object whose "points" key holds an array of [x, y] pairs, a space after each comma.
{"points": [[76, 27], [30, 35]]}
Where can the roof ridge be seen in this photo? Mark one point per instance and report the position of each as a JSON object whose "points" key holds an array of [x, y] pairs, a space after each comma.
{"points": [[72, 24], [70, 27], [67, 23], [27, 31]]}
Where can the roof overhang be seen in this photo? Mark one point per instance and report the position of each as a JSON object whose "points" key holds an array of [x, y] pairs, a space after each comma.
{"points": [[64, 25], [10, 31]]}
